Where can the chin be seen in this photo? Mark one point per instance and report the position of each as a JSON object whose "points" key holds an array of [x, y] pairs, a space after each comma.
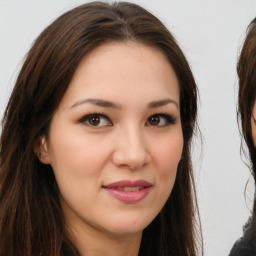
{"points": [[126, 225]]}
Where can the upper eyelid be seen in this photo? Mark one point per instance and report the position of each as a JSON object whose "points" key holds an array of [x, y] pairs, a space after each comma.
{"points": [[85, 117], [104, 115], [170, 119], [163, 114], [86, 121]]}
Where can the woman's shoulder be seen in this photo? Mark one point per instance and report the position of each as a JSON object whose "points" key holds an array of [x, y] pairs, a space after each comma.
{"points": [[241, 248]]}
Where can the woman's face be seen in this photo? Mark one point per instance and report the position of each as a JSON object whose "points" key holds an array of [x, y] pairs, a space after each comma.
{"points": [[116, 139]]}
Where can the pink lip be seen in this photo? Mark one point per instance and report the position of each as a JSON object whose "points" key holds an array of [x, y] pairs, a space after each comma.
{"points": [[117, 191]]}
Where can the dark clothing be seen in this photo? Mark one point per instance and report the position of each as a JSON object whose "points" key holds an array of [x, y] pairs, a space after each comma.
{"points": [[240, 248], [243, 247]]}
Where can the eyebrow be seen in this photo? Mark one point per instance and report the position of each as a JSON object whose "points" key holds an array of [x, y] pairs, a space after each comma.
{"points": [[98, 102], [160, 103], [110, 104]]}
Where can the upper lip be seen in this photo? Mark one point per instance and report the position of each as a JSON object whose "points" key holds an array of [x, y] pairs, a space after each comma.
{"points": [[128, 183]]}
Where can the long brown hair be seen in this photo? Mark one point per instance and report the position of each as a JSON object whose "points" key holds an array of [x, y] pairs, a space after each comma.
{"points": [[246, 70], [31, 219]]}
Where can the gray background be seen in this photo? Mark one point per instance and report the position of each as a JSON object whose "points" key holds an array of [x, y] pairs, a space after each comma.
{"points": [[210, 34]]}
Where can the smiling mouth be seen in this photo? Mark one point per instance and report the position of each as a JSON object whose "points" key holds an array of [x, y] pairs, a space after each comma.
{"points": [[128, 185], [129, 191]]}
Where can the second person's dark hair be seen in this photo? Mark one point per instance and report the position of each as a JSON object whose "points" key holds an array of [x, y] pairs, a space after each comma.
{"points": [[246, 70]]}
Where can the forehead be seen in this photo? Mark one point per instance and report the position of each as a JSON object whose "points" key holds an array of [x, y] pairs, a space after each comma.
{"points": [[126, 70]]}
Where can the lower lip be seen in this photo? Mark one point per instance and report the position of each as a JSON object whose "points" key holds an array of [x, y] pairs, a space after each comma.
{"points": [[128, 196]]}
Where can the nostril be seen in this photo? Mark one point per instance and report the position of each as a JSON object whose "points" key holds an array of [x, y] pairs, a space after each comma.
{"points": [[130, 160]]}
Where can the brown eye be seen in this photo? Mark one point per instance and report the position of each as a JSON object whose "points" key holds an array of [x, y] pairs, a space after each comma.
{"points": [[96, 120], [154, 120], [160, 120]]}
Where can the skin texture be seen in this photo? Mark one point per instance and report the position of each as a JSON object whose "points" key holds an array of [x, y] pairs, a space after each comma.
{"points": [[125, 144]]}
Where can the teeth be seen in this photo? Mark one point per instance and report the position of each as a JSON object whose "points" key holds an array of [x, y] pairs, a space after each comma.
{"points": [[128, 189], [137, 188]]}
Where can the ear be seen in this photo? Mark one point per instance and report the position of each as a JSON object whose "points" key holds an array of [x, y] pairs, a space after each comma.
{"points": [[41, 150]]}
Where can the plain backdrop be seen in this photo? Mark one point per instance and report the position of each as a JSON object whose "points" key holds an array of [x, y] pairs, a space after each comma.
{"points": [[211, 33]]}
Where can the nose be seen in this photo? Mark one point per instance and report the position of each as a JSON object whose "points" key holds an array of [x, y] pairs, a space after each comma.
{"points": [[131, 149]]}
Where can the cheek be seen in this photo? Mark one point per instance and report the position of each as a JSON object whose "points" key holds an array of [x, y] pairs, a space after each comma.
{"points": [[168, 156], [77, 154], [78, 163]]}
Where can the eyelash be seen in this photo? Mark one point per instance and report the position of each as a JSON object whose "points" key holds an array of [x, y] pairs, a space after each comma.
{"points": [[168, 118], [85, 118]]}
